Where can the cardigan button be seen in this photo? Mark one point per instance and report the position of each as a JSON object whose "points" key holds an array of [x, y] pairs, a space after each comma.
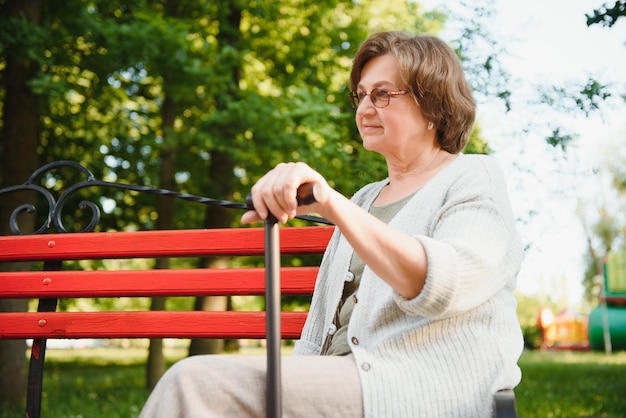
{"points": [[355, 299], [332, 329], [355, 340], [349, 276], [366, 367]]}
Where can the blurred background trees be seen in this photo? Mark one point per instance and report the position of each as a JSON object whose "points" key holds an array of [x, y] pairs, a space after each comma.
{"points": [[605, 218]]}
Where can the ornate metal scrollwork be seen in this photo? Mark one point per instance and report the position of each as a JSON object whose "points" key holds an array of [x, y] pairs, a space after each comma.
{"points": [[55, 206]]}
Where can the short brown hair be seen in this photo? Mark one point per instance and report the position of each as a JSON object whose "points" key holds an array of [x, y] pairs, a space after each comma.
{"points": [[432, 73]]}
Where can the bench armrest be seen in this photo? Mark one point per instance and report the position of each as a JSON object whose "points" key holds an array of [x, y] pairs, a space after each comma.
{"points": [[504, 404]]}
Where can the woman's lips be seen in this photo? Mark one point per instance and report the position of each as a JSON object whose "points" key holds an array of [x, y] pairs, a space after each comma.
{"points": [[367, 127]]}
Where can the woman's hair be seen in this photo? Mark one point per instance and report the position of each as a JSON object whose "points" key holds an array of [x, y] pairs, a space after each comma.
{"points": [[433, 75]]}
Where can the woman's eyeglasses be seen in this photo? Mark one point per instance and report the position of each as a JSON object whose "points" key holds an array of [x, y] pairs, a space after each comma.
{"points": [[380, 98]]}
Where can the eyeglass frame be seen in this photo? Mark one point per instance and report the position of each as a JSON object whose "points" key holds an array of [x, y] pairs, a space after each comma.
{"points": [[355, 100]]}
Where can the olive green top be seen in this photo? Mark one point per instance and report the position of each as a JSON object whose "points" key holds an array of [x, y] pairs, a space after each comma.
{"points": [[337, 344]]}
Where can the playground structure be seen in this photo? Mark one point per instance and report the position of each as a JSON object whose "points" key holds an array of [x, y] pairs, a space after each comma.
{"points": [[607, 322], [566, 330], [605, 327]]}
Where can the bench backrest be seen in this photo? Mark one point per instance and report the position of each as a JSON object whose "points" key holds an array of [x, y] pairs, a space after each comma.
{"points": [[52, 249]]}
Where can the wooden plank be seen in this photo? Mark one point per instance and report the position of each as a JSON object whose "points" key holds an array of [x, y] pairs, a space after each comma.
{"points": [[150, 244], [305, 239], [145, 324], [133, 283]]}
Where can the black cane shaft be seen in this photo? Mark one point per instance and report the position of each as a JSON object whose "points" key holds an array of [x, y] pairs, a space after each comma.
{"points": [[273, 309], [273, 303]]}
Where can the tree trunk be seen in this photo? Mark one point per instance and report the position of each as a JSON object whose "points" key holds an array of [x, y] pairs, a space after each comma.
{"points": [[209, 303], [12, 363], [18, 160], [156, 359], [221, 174], [165, 208], [216, 217]]}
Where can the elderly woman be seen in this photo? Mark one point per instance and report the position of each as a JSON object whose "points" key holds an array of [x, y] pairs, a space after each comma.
{"points": [[413, 312]]}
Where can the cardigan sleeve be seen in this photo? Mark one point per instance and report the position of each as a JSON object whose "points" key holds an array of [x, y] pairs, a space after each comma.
{"points": [[472, 247]]}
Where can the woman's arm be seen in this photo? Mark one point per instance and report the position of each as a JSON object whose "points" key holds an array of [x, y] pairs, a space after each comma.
{"points": [[396, 257]]}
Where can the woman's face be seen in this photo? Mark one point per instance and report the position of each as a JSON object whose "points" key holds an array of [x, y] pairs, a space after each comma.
{"points": [[397, 130]]}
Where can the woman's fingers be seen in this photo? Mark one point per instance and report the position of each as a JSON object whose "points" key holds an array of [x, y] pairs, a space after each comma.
{"points": [[250, 216], [277, 191]]}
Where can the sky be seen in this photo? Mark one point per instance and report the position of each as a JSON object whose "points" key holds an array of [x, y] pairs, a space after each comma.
{"points": [[548, 42]]}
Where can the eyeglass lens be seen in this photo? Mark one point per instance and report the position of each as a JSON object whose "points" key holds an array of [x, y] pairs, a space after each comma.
{"points": [[379, 98]]}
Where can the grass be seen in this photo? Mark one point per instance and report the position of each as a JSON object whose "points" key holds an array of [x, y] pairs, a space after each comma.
{"points": [[108, 383], [572, 384], [96, 382]]}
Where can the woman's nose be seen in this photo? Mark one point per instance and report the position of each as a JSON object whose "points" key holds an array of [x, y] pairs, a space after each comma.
{"points": [[366, 106]]}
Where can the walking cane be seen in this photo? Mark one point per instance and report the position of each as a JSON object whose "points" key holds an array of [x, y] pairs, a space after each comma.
{"points": [[272, 318], [273, 303]]}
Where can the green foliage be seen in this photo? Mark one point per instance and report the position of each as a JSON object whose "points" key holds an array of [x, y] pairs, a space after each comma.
{"points": [[559, 139], [480, 51], [18, 36], [253, 83], [607, 16], [528, 308], [576, 97], [603, 219], [476, 144], [572, 98], [591, 94], [532, 336]]}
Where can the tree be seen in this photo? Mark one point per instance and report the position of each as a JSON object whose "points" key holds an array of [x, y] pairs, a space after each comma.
{"points": [[20, 115], [607, 16], [604, 221], [606, 228], [232, 47]]}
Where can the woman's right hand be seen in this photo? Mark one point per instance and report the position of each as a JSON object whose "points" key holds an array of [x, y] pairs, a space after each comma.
{"points": [[277, 193]]}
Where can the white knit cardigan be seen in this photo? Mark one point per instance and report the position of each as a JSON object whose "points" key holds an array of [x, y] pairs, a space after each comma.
{"points": [[445, 352]]}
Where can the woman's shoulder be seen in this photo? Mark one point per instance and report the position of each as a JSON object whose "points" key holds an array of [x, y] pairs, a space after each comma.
{"points": [[471, 174], [478, 160], [479, 175], [478, 165]]}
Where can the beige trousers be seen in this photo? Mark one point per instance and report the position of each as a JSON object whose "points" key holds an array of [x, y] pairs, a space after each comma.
{"points": [[223, 386]]}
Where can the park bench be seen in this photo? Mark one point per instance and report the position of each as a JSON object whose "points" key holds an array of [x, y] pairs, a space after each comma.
{"points": [[48, 282]]}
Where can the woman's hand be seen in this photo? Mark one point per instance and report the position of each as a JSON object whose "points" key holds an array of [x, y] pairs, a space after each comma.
{"points": [[277, 193]]}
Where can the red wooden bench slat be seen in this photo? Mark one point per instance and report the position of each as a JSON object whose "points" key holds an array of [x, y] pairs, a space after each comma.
{"points": [[149, 244], [131, 283], [166, 282], [145, 324]]}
